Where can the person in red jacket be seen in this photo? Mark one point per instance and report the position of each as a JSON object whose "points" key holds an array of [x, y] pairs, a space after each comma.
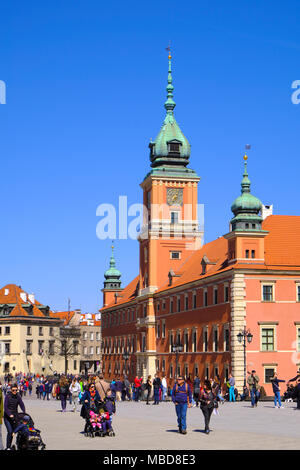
{"points": [[137, 386]]}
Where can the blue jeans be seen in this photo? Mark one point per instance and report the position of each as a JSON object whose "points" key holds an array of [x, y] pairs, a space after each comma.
{"points": [[9, 428], [277, 398], [181, 409], [231, 394], [156, 395], [164, 394], [254, 396], [63, 399]]}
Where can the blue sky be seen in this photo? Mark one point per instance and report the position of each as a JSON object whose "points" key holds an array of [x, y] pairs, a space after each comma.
{"points": [[85, 92]]}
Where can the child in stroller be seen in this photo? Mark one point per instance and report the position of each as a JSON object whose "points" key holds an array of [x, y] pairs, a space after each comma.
{"points": [[90, 411], [288, 394], [28, 437]]}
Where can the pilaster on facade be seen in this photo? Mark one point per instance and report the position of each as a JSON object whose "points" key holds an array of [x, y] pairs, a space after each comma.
{"points": [[238, 323]]}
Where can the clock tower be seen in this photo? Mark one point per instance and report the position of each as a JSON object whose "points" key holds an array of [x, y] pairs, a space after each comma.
{"points": [[170, 232]]}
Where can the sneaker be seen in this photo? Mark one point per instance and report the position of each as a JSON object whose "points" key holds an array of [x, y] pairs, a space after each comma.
{"points": [[281, 406], [184, 431], [179, 430]]}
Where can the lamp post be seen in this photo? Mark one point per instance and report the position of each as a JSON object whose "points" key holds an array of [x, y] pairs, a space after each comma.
{"points": [[177, 348], [241, 336], [125, 357]]}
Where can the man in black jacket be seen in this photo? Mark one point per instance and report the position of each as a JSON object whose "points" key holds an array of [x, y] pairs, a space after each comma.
{"points": [[157, 385], [11, 403]]}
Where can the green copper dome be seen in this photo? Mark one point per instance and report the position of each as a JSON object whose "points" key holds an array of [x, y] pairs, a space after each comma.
{"points": [[170, 147], [112, 275], [246, 207]]}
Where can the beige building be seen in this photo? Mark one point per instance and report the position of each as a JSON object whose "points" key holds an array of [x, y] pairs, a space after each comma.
{"points": [[31, 338], [91, 339]]}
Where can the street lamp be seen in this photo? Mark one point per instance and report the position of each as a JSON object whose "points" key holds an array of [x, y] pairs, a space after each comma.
{"points": [[241, 336], [177, 348], [125, 357]]}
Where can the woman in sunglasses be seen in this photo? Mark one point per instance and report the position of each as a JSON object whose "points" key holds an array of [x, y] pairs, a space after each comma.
{"points": [[90, 400], [12, 401]]}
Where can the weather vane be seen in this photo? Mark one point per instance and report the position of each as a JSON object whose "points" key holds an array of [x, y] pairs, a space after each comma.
{"points": [[247, 147], [169, 50]]}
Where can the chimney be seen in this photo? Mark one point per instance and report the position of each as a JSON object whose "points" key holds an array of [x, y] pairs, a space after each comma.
{"points": [[31, 298], [23, 296], [266, 210], [6, 291]]}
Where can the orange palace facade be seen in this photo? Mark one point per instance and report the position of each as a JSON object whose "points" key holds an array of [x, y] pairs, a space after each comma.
{"points": [[202, 296]]}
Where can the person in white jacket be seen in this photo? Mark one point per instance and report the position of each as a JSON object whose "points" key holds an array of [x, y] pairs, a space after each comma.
{"points": [[164, 388], [75, 389]]}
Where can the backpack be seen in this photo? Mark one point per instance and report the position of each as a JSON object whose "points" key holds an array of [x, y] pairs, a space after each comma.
{"points": [[186, 389]]}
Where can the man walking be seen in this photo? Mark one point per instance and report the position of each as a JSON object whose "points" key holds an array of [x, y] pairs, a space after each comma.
{"points": [[182, 398], [156, 387], [276, 390], [252, 381], [231, 383]]}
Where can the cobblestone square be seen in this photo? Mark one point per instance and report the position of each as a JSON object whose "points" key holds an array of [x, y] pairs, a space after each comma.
{"points": [[137, 426]]}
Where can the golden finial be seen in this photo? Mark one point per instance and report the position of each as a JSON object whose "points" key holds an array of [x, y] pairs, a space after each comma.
{"points": [[169, 49], [245, 157]]}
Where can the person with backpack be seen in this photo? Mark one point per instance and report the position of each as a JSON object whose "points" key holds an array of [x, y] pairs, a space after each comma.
{"points": [[63, 392], [252, 381], [182, 398]]}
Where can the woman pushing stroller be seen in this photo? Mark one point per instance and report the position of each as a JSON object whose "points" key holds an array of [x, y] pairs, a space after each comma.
{"points": [[95, 412]]}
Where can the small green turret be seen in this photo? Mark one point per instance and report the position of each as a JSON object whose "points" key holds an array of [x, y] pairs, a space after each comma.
{"points": [[112, 275], [246, 208]]}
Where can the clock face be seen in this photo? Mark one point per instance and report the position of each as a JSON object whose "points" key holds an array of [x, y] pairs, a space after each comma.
{"points": [[174, 196]]}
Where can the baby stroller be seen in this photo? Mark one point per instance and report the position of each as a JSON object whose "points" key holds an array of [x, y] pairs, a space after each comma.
{"points": [[93, 424], [28, 438], [288, 394]]}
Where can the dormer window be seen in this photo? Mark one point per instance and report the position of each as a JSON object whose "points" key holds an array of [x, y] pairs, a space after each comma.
{"points": [[174, 146]]}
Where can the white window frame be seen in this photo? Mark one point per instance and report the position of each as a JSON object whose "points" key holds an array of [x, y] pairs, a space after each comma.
{"points": [[269, 326], [268, 283]]}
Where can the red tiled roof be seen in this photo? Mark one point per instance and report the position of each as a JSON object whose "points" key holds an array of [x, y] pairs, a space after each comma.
{"points": [[11, 294], [282, 250], [66, 316], [282, 244]]}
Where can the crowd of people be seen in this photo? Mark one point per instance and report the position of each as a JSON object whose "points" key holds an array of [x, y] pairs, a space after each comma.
{"points": [[96, 398]]}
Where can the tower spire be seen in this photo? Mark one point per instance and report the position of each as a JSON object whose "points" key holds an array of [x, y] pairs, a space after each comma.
{"points": [[245, 181], [170, 103], [112, 262]]}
